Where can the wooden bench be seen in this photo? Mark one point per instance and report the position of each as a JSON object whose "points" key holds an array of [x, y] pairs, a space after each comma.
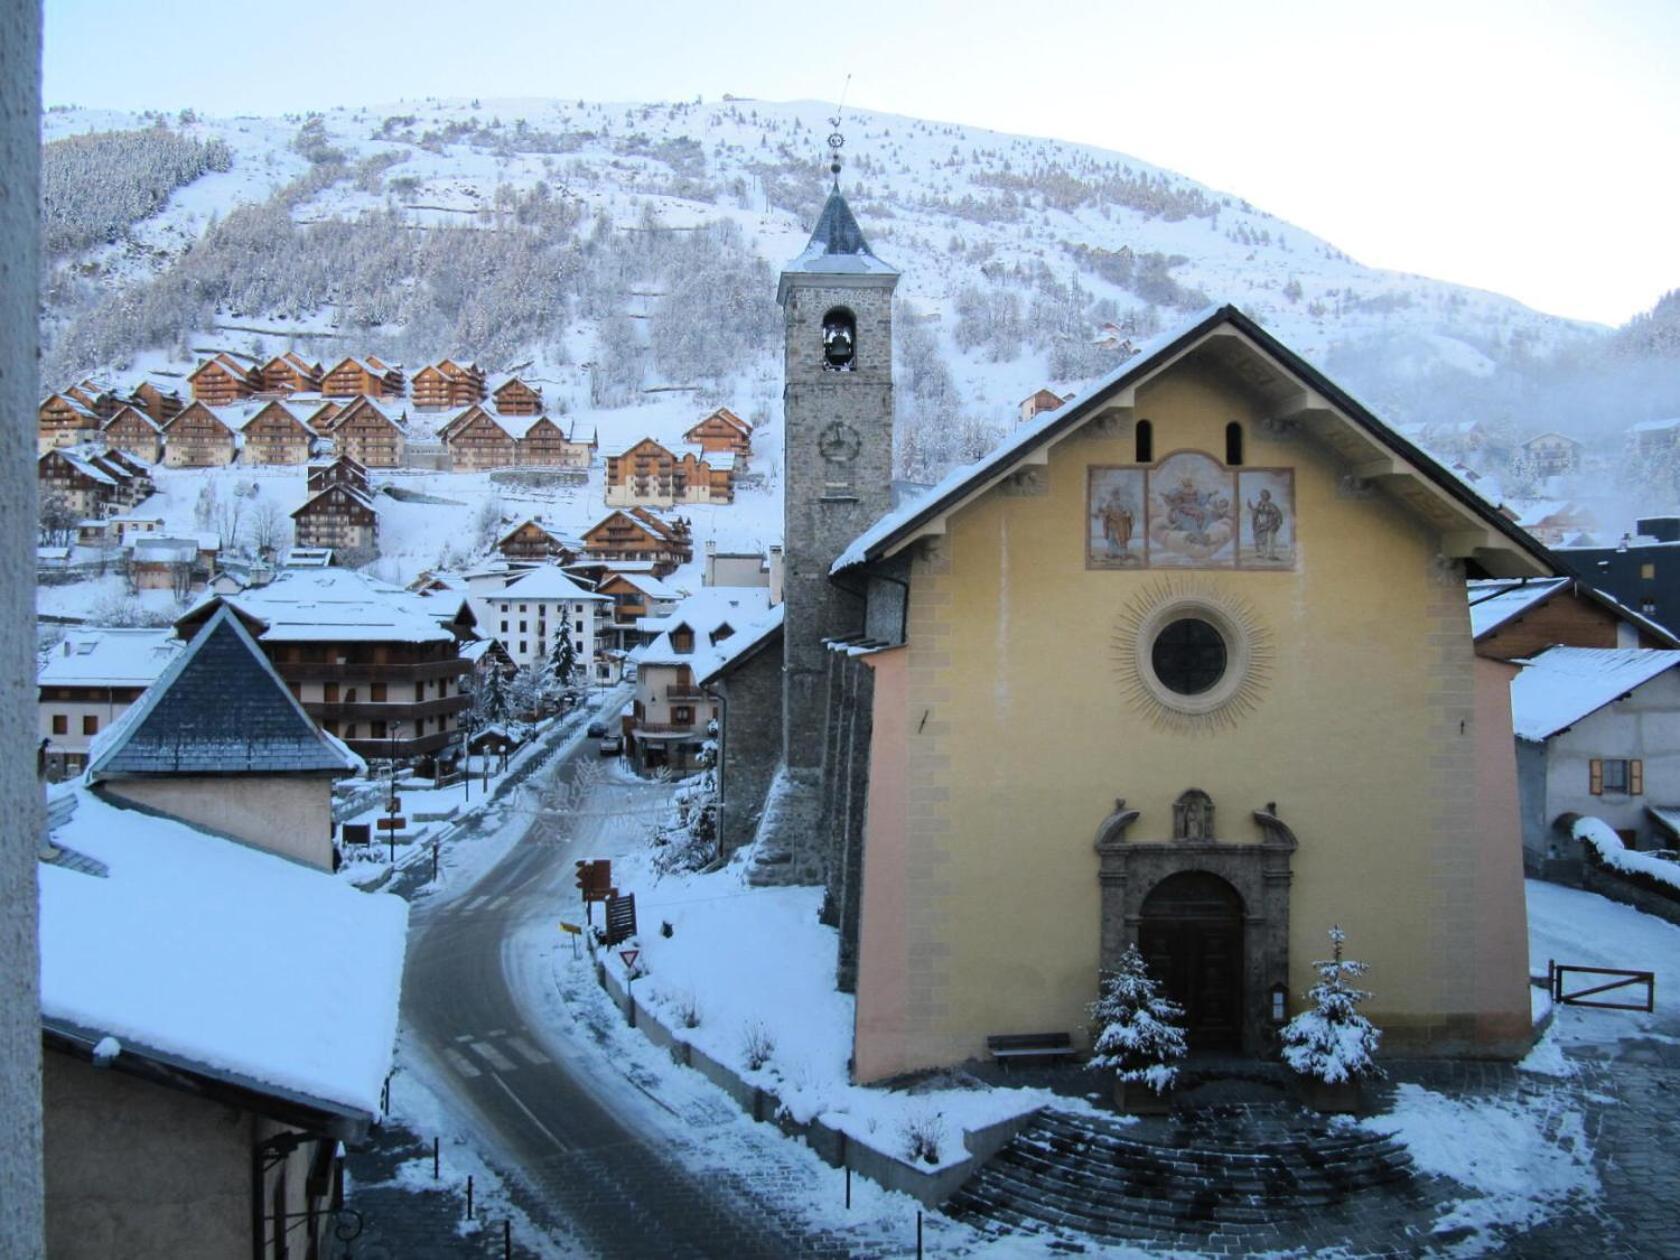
{"points": [[1048, 1045]]}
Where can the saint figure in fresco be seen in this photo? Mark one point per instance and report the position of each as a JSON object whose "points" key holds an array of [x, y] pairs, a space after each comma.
{"points": [[1117, 525], [1266, 519]]}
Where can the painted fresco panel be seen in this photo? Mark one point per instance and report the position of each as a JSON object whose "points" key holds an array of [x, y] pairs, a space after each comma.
{"points": [[1267, 504], [1116, 537], [1192, 513]]}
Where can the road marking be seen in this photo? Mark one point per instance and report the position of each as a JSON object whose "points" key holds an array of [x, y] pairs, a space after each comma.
{"points": [[464, 1037], [463, 1065], [474, 904], [527, 1051], [499, 902], [494, 1057], [529, 1115]]}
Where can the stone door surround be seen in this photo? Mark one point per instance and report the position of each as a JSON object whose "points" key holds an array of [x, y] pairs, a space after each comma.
{"points": [[1129, 869]]}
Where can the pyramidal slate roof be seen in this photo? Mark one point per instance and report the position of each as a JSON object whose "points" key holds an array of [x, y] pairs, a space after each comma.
{"points": [[836, 248], [219, 708]]}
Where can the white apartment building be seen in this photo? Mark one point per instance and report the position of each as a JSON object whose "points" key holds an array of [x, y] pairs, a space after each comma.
{"points": [[532, 607]]}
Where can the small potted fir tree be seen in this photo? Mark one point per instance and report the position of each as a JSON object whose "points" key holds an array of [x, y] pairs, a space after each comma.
{"points": [[1137, 1034], [1332, 1047]]}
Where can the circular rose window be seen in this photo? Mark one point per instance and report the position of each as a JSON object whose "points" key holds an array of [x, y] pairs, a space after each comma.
{"points": [[1189, 656], [1192, 658]]}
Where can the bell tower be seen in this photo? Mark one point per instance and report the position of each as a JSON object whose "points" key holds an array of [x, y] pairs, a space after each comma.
{"points": [[836, 299]]}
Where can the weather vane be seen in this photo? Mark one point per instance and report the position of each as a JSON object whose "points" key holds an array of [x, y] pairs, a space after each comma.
{"points": [[836, 141]]}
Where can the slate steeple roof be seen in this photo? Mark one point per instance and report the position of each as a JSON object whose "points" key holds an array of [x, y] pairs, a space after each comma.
{"points": [[837, 228], [837, 248], [219, 708]]}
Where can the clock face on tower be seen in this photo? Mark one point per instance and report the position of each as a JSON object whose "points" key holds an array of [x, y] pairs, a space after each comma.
{"points": [[839, 442]]}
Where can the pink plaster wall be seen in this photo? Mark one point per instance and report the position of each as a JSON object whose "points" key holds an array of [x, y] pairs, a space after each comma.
{"points": [[1502, 935]]}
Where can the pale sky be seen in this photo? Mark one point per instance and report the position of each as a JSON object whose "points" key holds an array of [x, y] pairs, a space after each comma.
{"points": [[1523, 146]]}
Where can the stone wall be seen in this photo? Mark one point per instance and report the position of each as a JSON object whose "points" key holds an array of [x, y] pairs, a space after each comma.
{"points": [[845, 799], [751, 744]]}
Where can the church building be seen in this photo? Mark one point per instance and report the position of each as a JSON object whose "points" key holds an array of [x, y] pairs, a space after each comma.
{"points": [[1186, 662]]}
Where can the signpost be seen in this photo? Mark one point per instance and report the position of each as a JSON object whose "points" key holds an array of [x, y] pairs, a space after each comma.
{"points": [[594, 881], [629, 956], [574, 931]]}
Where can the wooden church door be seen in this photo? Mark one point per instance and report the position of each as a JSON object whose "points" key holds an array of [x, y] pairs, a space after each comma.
{"points": [[1191, 937]]}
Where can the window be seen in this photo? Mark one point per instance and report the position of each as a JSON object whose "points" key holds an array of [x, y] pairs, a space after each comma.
{"points": [[579, 627], [1648, 572], [839, 340], [1189, 656], [682, 639], [329, 693], [681, 714], [521, 627], [1145, 442], [522, 648], [1615, 776], [419, 692], [1648, 607], [61, 724], [1233, 444], [377, 730], [522, 608], [90, 724], [376, 693], [504, 626], [350, 730]]}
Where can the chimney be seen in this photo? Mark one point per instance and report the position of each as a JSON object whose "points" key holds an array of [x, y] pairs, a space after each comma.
{"points": [[775, 574]]}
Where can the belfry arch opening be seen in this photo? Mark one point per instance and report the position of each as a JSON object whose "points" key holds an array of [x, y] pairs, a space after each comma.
{"points": [[839, 339]]}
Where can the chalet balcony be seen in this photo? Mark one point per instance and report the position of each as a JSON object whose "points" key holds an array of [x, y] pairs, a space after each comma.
{"points": [[356, 671], [693, 730], [384, 711], [684, 695]]}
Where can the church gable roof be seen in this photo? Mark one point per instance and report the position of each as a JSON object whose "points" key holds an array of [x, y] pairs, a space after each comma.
{"points": [[218, 708], [1294, 391]]}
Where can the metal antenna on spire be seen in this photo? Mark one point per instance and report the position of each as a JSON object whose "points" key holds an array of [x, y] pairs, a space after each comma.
{"points": [[836, 141]]}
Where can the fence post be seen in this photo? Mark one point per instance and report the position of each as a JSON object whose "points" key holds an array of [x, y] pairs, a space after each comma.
{"points": [[469, 1197], [507, 1240], [434, 1159]]}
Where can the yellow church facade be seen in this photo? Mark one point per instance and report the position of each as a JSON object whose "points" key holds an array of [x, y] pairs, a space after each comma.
{"points": [[1186, 663]]}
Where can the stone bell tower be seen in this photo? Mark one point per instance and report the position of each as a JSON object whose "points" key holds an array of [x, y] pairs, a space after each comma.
{"points": [[836, 299]]}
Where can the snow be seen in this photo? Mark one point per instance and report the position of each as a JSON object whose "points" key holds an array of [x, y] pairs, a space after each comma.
{"points": [[244, 963], [709, 609], [1616, 855], [338, 605], [1494, 602], [109, 658], [1562, 685]]}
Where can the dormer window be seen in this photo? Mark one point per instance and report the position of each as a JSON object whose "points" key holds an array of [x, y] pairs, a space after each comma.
{"points": [[682, 639], [839, 335], [721, 633]]}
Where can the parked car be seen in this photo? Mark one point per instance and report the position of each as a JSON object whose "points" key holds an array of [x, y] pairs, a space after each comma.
{"points": [[597, 730], [612, 745]]}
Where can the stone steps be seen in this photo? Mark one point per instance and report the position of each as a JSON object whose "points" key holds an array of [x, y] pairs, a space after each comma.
{"points": [[1103, 1178]]}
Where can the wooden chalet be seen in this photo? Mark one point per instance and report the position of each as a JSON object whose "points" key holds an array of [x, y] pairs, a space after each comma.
{"points": [[198, 437], [343, 471], [275, 435], [339, 517], [223, 380], [291, 373], [370, 433], [721, 431], [530, 540], [317, 412], [546, 445], [447, 384], [649, 475], [369, 376], [134, 476], [515, 398], [1038, 402], [157, 402], [91, 483], [637, 534], [64, 420], [476, 440]]}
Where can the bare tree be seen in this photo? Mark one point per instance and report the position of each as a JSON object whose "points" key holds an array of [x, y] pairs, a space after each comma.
{"points": [[271, 527]]}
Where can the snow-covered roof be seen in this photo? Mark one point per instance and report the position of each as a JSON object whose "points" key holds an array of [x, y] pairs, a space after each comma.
{"points": [[218, 707], [1493, 603], [645, 582], [1653, 426], [546, 581], [84, 466], [1503, 540], [109, 658], [705, 612], [742, 643], [203, 951], [332, 605], [150, 549], [1562, 685], [836, 248]]}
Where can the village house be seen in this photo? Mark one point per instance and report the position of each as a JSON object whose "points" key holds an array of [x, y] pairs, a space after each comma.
{"points": [[649, 475], [275, 435], [513, 397], [1036, 404], [129, 526], [723, 432], [372, 433], [532, 540], [669, 717], [224, 380], [133, 430], [182, 566], [745, 680], [744, 568], [290, 373], [156, 401], [477, 441], [374, 665], [1650, 438], [317, 412], [542, 443], [535, 606], [367, 376], [1553, 454], [200, 437], [637, 534], [638, 599], [447, 385], [64, 420], [341, 471], [78, 483], [88, 681], [1554, 522], [1512, 620], [210, 1123], [340, 516], [1641, 570], [1098, 682]]}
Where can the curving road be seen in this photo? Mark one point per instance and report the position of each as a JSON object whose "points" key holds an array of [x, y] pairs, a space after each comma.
{"points": [[525, 1085]]}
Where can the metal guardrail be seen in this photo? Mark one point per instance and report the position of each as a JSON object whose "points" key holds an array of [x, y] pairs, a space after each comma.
{"points": [[1556, 974]]}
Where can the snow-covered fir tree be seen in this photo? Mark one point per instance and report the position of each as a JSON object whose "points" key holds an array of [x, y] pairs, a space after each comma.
{"points": [[562, 661], [1138, 1034], [1333, 1042]]}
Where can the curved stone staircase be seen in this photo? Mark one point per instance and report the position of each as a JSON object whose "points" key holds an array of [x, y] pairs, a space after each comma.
{"points": [[1242, 1174]]}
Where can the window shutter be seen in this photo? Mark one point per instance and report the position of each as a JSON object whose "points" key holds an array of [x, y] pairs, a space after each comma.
{"points": [[1595, 777], [1636, 778]]}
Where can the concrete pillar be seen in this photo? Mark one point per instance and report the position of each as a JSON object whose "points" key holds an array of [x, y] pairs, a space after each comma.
{"points": [[20, 1007]]}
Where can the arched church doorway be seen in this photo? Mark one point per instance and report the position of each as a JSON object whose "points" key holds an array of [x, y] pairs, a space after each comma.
{"points": [[1190, 932]]}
